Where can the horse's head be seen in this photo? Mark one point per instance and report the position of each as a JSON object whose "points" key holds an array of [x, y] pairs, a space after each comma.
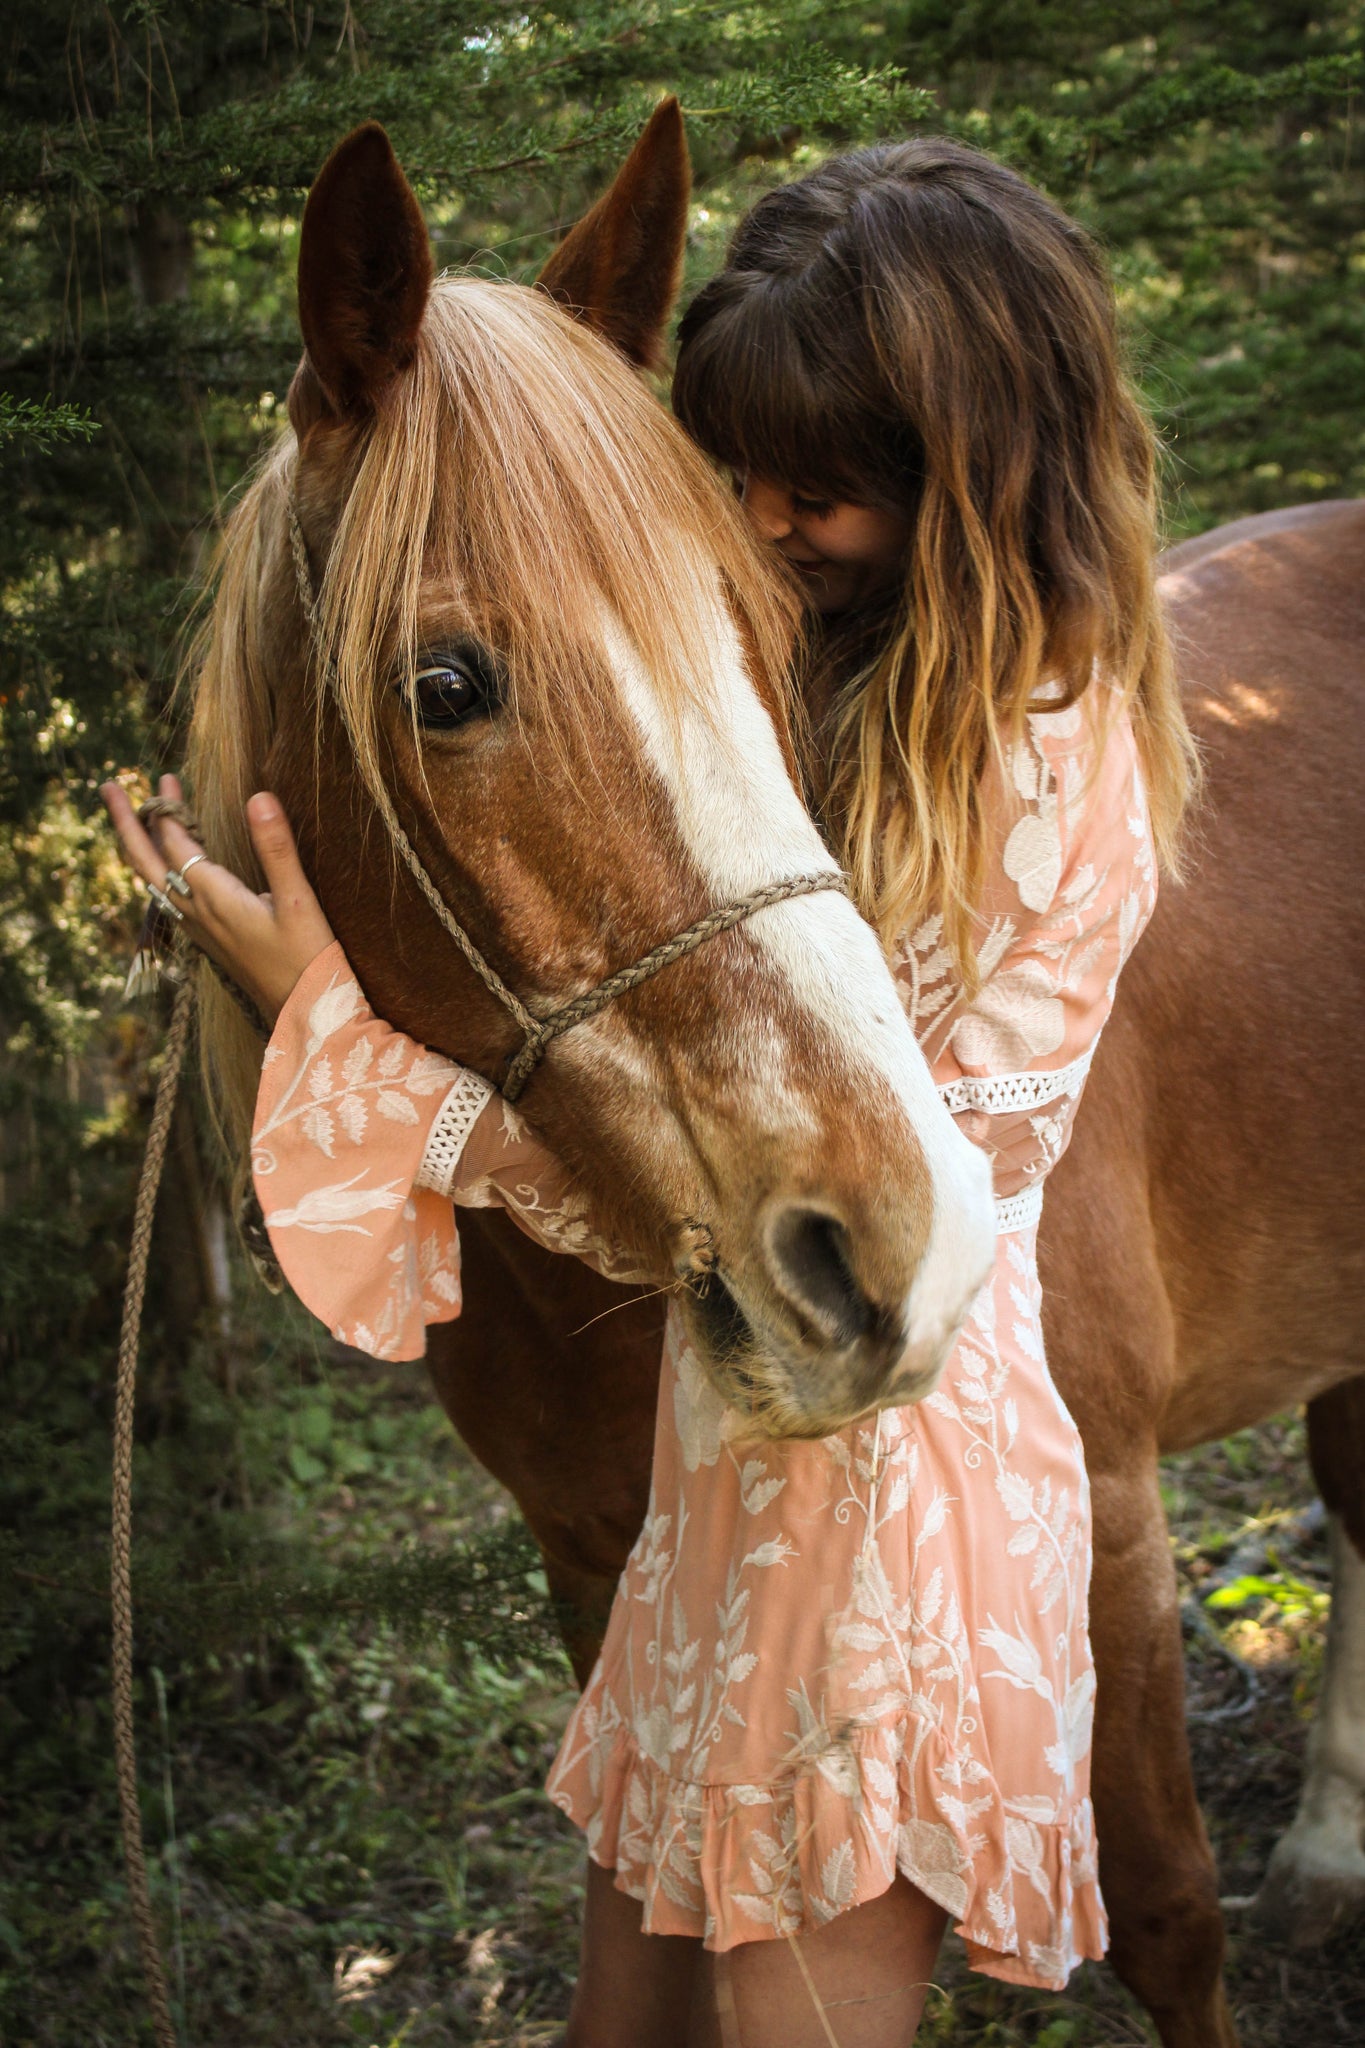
{"points": [[547, 648]]}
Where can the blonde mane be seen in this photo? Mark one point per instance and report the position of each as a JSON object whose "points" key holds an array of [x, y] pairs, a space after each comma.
{"points": [[522, 471]]}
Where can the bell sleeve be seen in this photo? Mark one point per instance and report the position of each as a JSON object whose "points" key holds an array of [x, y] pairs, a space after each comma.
{"points": [[363, 1143]]}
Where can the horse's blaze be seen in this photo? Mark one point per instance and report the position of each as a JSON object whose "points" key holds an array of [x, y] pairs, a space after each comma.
{"points": [[852, 1220]]}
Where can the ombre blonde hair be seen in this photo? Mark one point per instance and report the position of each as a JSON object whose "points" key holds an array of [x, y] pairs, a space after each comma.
{"points": [[521, 473], [917, 328]]}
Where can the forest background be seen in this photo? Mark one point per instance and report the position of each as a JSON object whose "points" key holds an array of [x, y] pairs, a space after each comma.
{"points": [[348, 1678]]}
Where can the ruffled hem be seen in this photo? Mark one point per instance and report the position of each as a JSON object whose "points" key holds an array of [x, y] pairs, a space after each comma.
{"points": [[736, 1862]]}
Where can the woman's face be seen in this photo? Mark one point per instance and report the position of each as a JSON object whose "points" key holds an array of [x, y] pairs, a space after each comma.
{"points": [[845, 554]]}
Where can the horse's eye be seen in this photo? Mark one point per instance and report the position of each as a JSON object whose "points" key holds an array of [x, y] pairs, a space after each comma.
{"points": [[446, 689]]}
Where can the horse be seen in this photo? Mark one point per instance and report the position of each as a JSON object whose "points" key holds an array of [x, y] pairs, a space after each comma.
{"points": [[1215, 1163], [502, 643]]}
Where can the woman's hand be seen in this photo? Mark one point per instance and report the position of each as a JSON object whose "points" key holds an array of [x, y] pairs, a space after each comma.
{"points": [[264, 942]]}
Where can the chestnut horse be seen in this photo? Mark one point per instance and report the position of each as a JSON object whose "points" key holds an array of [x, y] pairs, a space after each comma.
{"points": [[1221, 1176], [506, 649]]}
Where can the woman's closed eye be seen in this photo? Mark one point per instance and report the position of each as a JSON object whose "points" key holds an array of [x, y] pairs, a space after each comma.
{"points": [[801, 507]]}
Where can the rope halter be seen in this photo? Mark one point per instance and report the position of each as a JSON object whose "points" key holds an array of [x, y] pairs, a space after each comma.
{"points": [[540, 1027]]}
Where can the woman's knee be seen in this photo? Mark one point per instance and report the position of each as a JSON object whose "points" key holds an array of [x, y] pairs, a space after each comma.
{"points": [[860, 1981]]}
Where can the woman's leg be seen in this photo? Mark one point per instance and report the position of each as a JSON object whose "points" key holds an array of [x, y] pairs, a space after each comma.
{"points": [[860, 1982], [634, 1989]]}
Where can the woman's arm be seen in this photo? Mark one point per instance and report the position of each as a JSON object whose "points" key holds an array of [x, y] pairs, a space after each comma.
{"points": [[363, 1139], [1074, 886]]}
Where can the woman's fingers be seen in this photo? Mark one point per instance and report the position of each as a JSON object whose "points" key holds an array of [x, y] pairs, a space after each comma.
{"points": [[273, 840], [265, 942], [139, 850], [151, 853], [291, 892], [174, 843]]}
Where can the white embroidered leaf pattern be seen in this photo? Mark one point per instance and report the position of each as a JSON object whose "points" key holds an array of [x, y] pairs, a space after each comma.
{"points": [[1016, 1492], [356, 1064], [429, 1074], [838, 1876], [395, 1107], [353, 1116], [934, 1517], [319, 1129]]}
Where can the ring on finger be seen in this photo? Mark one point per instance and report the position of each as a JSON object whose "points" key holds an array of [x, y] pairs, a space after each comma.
{"points": [[163, 902], [175, 877]]}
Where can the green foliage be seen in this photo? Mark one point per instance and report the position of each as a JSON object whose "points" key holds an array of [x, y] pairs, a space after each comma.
{"points": [[43, 421], [1277, 1594]]}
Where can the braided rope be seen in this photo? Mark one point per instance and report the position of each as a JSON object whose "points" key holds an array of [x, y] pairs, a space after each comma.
{"points": [[661, 956], [121, 1521]]}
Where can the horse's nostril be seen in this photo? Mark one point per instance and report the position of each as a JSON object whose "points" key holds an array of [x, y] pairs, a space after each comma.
{"points": [[813, 1267]]}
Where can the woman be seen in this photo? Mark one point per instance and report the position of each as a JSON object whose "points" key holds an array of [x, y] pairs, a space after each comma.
{"points": [[846, 1689]]}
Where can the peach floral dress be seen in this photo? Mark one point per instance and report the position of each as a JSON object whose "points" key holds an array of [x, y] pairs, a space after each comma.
{"points": [[827, 1662]]}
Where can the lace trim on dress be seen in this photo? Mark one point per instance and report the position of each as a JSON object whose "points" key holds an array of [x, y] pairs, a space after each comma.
{"points": [[455, 1119], [1021, 1211], [999, 1093]]}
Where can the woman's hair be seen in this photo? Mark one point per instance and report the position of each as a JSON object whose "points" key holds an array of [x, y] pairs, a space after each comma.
{"points": [[914, 327]]}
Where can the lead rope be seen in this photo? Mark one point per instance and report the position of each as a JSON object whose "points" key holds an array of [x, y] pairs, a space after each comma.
{"points": [[121, 1521]]}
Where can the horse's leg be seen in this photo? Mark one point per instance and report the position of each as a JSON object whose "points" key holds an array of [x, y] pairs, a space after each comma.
{"points": [[550, 1376], [1316, 1878], [1110, 1339], [1156, 1867]]}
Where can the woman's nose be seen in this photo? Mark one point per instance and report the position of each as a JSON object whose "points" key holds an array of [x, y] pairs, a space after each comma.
{"points": [[768, 507]]}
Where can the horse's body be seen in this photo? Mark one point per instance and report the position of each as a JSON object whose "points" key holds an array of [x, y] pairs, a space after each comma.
{"points": [[1216, 1159]]}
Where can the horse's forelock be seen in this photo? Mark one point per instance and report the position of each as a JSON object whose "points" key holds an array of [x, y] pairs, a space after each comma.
{"points": [[522, 465]]}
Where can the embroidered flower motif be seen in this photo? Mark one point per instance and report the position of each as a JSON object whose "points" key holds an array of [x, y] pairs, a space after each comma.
{"points": [[1033, 858], [1017, 1018], [335, 1208], [333, 1009]]}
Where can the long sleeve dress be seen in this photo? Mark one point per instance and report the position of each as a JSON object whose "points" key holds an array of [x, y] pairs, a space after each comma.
{"points": [[826, 1661]]}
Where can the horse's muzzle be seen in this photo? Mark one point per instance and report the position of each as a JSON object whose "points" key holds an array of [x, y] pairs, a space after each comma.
{"points": [[800, 1346]]}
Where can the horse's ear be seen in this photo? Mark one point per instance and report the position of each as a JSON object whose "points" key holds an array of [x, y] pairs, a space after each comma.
{"points": [[619, 269], [364, 271]]}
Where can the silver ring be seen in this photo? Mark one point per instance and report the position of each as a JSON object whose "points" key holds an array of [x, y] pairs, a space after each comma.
{"points": [[163, 902], [175, 877]]}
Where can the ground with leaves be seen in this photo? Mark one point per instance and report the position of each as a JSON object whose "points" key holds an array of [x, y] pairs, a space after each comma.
{"points": [[351, 1842]]}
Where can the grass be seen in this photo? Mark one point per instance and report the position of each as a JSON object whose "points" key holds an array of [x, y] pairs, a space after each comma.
{"points": [[350, 1842]]}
